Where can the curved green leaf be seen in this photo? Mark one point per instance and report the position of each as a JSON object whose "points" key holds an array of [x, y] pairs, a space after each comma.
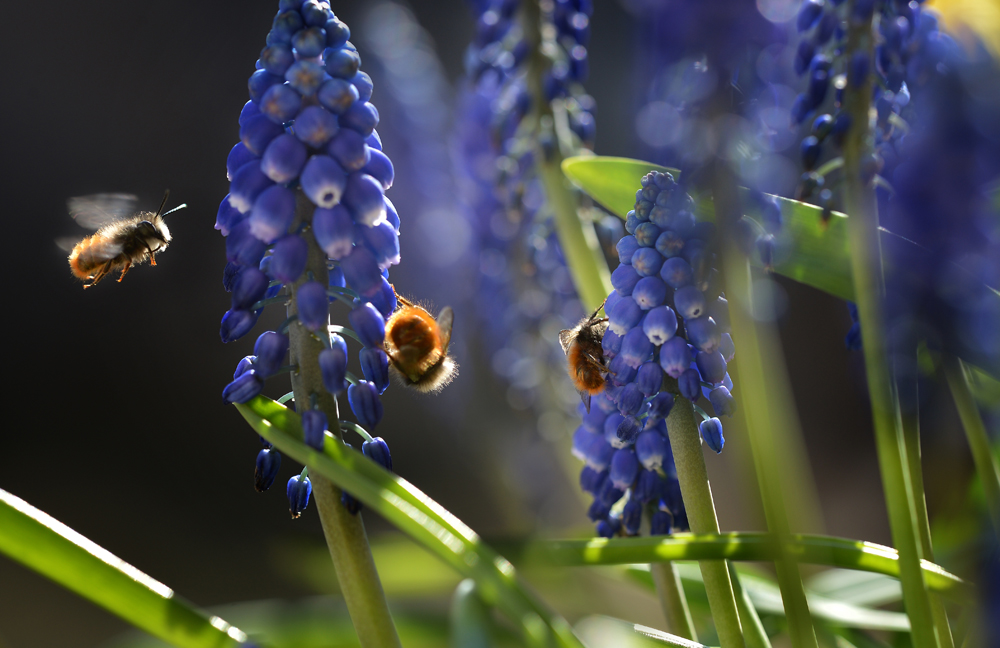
{"points": [[747, 546], [417, 515], [49, 547]]}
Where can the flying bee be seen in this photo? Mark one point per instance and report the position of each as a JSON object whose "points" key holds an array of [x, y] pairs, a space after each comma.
{"points": [[124, 237], [417, 346], [585, 355]]}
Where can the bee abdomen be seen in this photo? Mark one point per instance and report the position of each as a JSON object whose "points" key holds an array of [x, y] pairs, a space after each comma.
{"points": [[87, 257]]}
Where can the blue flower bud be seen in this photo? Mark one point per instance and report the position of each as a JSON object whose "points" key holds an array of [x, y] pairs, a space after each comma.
{"points": [[727, 348], [249, 110], [704, 334], [361, 117], [624, 315], [689, 383], [361, 270], [369, 324], [273, 213], [337, 33], [649, 292], [363, 83], [245, 365], [809, 14], [383, 298], [648, 487], [722, 401], [313, 306], [819, 83], [314, 425], [315, 126], [626, 247], [380, 167], [268, 463], [677, 272], [364, 199], [378, 451], [375, 367], [800, 109], [316, 14], [337, 95], [348, 501], [284, 158], [804, 55], [270, 350], [598, 454], [259, 82], [660, 523], [660, 324], [628, 429], [364, 401], [298, 491], [669, 244], [323, 181], [258, 132], [276, 58], [342, 63], [348, 148], [309, 43], [611, 343], [689, 302], [288, 260], [624, 278], [711, 431], [608, 528], [305, 77], [238, 156], [651, 448], [591, 480], [646, 234], [609, 493], [248, 182], [675, 357], [285, 24], [636, 348], [280, 103], [382, 240], [333, 368], [610, 431], [374, 141], [248, 288], [582, 438], [711, 366], [632, 516], [621, 371], [598, 510], [649, 378], [811, 151], [334, 231], [242, 247], [244, 388], [630, 399], [647, 261], [659, 407], [237, 323], [624, 468]]}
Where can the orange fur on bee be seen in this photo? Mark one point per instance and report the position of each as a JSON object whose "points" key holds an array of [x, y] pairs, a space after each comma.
{"points": [[414, 340], [88, 256], [586, 376]]}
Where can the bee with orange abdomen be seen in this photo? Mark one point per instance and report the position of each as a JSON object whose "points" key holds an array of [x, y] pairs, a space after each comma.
{"points": [[124, 237], [417, 346], [585, 355]]}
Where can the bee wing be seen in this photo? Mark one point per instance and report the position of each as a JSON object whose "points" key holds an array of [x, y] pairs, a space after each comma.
{"points": [[565, 339], [67, 243], [98, 210], [585, 397], [444, 321]]}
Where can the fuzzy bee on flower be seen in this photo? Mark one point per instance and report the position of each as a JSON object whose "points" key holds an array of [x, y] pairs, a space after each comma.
{"points": [[584, 355], [417, 346], [124, 238]]}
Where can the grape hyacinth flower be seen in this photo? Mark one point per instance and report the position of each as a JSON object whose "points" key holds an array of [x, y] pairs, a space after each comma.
{"points": [[309, 176], [668, 338]]}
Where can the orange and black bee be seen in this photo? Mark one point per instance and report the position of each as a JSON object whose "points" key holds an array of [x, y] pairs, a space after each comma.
{"points": [[417, 346], [124, 237], [585, 355]]}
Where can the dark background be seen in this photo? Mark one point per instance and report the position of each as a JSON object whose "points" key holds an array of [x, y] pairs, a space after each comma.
{"points": [[113, 419]]}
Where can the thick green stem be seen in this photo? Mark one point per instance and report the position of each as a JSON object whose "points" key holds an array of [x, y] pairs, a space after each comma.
{"points": [[753, 629], [345, 533], [866, 267], [671, 594], [685, 443], [975, 432]]}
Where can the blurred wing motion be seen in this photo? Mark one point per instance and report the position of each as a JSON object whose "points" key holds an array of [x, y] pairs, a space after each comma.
{"points": [[67, 243], [445, 319], [565, 339], [98, 210]]}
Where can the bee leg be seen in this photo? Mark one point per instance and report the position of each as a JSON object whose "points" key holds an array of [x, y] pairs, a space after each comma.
{"points": [[152, 258], [105, 269], [128, 264], [591, 318], [399, 298], [594, 362]]}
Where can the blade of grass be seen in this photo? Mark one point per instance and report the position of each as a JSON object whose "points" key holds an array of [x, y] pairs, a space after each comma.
{"points": [[43, 544]]}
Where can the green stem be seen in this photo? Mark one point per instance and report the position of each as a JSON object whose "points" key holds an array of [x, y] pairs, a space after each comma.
{"points": [[685, 443], [345, 533], [753, 629], [577, 239], [975, 432], [671, 594], [866, 267]]}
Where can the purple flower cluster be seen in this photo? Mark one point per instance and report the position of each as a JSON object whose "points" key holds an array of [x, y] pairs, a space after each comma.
{"points": [[309, 173], [667, 321]]}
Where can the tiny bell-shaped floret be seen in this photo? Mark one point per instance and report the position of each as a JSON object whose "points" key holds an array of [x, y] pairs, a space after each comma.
{"points": [[711, 366], [630, 399], [244, 365], [361, 270], [378, 451], [337, 95], [236, 324], [650, 448], [249, 288], [677, 272], [365, 403], [288, 260], [333, 366], [369, 324], [334, 231], [364, 199], [284, 158], [659, 407], [649, 292], [248, 183], [632, 516], [242, 247], [624, 279], [280, 103], [624, 315], [304, 76], [349, 150], [660, 523], [298, 491], [314, 424], [660, 325], [273, 212], [636, 348], [649, 378], [609, 528], [689, 302], [689, 383], [711, 431], [620, 371], [268, 463], [244, 388], [675, 357], [315, 126], [375, 367], [270, 350], [313, 306], [361, 117], [258, 132], [722, 401], [628, 429], [704, 334], [323, 181], [380, 168]]}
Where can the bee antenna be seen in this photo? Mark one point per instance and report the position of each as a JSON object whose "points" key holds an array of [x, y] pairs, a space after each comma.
{"points": [[180, 206], [166, 195]]}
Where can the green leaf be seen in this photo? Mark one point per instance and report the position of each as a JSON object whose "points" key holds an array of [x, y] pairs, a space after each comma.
{"points": [[49, 547], [817, 254], [417, 515], [746, 546], [608, 632]]}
